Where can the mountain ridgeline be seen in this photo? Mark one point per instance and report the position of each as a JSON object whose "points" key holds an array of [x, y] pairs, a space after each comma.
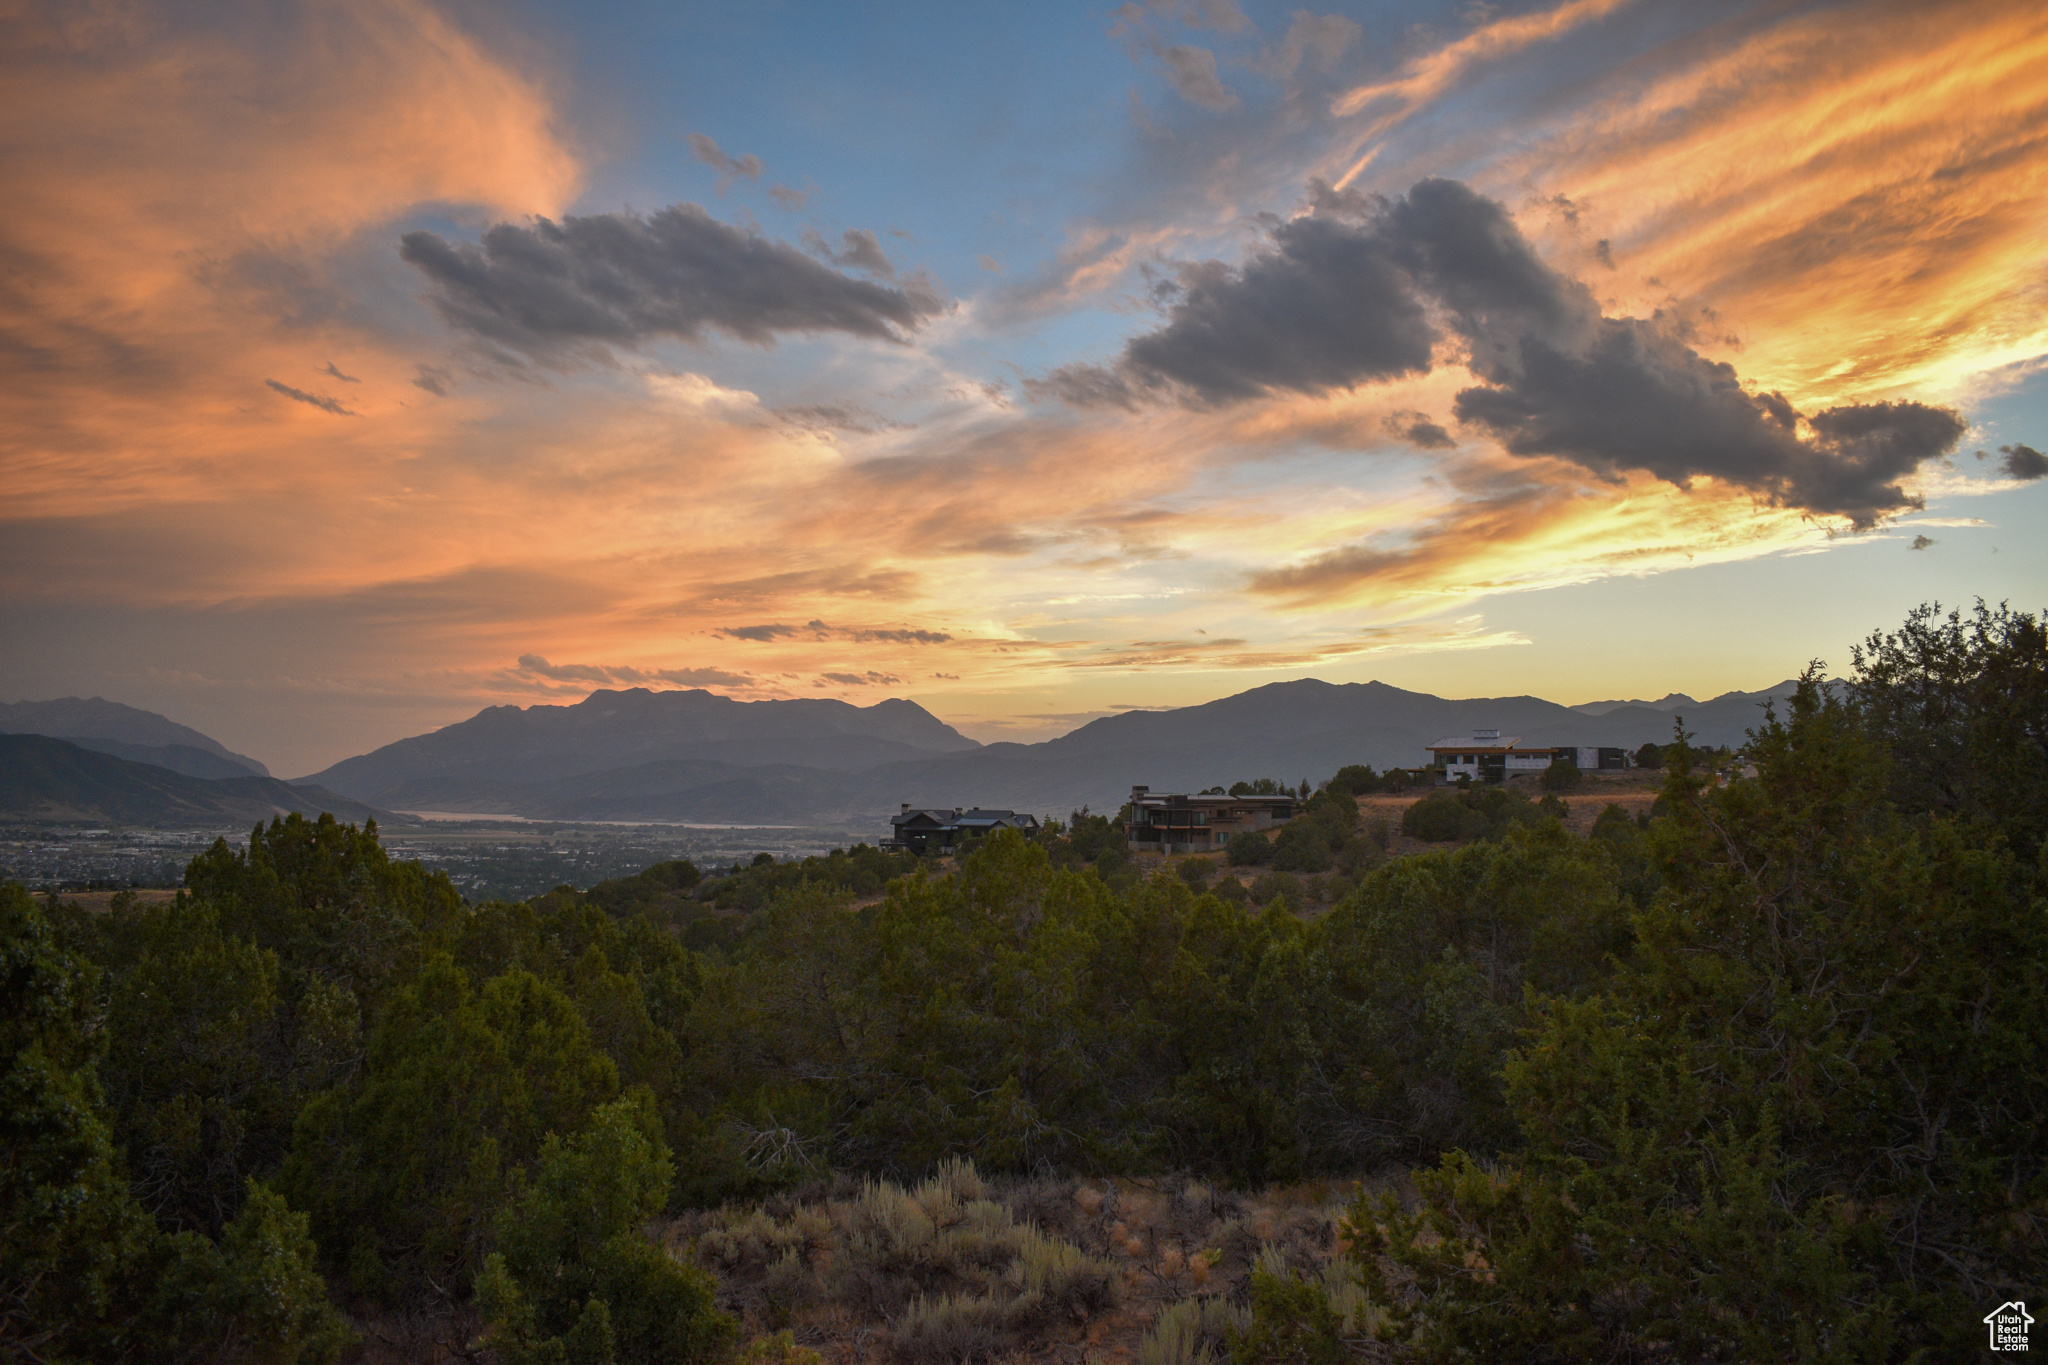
{"points": [[139, 736], [64, 782], [697, 756]]}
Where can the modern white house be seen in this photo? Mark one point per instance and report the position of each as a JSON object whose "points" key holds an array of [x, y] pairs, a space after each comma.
{"points": [[1485, 755]]}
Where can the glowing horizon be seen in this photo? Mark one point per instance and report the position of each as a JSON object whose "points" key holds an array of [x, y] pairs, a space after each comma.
{"points": [[373, 363]]}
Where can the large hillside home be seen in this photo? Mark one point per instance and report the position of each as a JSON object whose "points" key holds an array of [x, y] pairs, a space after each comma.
{"points": [[1199, 824], [1485, 756], [925, 830]]}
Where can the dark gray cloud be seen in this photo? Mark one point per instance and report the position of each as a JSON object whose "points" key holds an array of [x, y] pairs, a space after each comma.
{"points": [[1328, 307], [333, 372], [558, 293], [861, 250], [1417, 430], [1634, 399], [2023, 462], [1465, 252], [1922, 542], [320, 401], [792, 200], [1364, 289], [433, 379], [728, 167]]}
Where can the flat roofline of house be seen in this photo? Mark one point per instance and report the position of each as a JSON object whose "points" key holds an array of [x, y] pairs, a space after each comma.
{"points": [[1467, 746], [1211, 798]]}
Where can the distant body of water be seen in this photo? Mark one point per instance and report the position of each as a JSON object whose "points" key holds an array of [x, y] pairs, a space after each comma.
{"points": [[458, 815]]}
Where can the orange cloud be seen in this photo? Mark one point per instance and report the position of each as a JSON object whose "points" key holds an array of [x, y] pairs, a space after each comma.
{"points": [[1854, 197], [183, 194]]}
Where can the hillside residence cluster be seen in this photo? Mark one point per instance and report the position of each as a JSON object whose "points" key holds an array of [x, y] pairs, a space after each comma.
{"points": [[924, 830], [1176, 822]]}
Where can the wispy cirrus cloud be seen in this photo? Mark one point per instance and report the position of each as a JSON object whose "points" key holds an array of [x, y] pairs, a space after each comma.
{"points": [[1432, 74], [316, 400], [818, 630], [868, 679], [605, 674]]}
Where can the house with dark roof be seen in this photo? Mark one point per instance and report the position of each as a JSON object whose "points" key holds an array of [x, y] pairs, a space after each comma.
{"points": [[1161, 822], [924, 830]]}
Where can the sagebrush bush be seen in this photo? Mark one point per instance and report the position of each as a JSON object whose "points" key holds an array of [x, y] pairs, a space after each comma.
{"points": [[960, 1273], [1192, 1332], [955, 1328]]}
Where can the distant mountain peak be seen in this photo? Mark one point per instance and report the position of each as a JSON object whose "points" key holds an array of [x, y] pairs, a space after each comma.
{"points": [[96, 718], [46, 778], [627, 727]]}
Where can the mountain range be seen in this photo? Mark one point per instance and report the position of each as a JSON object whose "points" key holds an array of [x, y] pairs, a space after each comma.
{"points": [[697, 757], [42, 778], [1671, 701]]}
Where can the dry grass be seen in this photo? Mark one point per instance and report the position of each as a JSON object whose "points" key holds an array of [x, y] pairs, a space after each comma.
{"points": [[960, 1268]]}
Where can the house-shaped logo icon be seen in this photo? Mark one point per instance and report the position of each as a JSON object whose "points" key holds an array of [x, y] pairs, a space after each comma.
{"points": [[2008, 1323]]}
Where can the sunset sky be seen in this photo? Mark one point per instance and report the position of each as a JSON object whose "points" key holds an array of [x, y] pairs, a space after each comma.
{"points": [[368, 363]]}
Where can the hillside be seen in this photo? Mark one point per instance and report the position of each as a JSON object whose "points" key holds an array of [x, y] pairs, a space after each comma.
{"points": [[130, 733], [42, 778], [1289, 730]]}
